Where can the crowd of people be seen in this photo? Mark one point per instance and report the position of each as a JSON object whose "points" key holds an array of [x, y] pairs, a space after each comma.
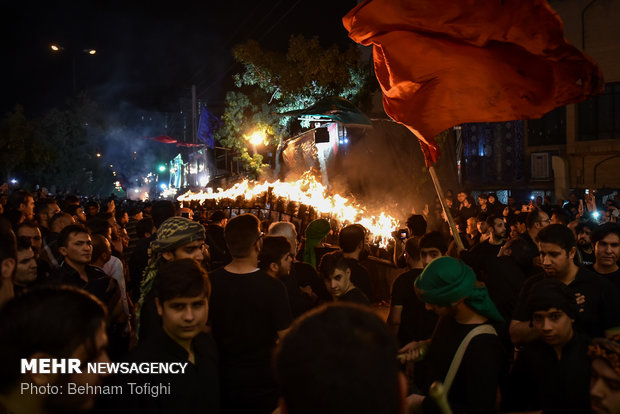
{"points": [[523, 315]]}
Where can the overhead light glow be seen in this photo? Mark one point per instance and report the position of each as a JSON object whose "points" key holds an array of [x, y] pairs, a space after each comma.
{"points": [[163, 186], [55, 48]]}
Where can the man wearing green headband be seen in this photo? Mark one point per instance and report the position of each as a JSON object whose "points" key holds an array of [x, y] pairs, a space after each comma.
{"points": [[177, 238], [449, 288]]}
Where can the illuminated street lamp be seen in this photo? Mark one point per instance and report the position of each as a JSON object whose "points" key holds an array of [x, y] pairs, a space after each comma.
{"points": [[162, 168], [256, 138], [56, 48]]}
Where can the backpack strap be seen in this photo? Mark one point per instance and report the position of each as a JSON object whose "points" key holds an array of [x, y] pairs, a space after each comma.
{"points": [[460, 352]]}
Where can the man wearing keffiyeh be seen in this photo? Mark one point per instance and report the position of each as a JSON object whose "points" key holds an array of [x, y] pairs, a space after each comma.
{"points": [[605, 384], [177, 238]]}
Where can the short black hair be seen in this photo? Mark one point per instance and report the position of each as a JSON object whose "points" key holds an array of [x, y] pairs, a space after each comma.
{"points": [[63, 237], [412, 248], [557, 234], [351, 236], [16, 198], [434, 239], [99, 246], [339, 358], [217, 216], [491, 220], [532, 217], [332, 261], [274, 248], [52, 320], [562, 216], [417, 224], [604, 230], [98, 225], [585, 224], [241, 234], [183, 278]]}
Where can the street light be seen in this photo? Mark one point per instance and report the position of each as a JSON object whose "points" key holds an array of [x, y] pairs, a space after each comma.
{"points": [[256, 138], [56, 48]]}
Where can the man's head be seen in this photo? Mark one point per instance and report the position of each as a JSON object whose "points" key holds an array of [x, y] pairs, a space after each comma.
{"points": [[243, 236], [275, 256], [8, 254], [218, 217], [497, 227], [92, 208], [26, 270], [584, 232], [559, 217], [536, 220], [161, 211], [412, 251], [416, 225], [29, 230], [351, 238], [339, 358], [102, 250], [47, 207], [492, 198], [483, 198], [52, 323], [605, 380], [447, 286], [181, 292], [432, 246], [59, 221], [606, 240], [472, 226], [77, 212], [286, 229], [179, 238], [461, 196], [75, 245], [335, 271], [23, 202], [556, 244], [135, 213], [552, 309]]}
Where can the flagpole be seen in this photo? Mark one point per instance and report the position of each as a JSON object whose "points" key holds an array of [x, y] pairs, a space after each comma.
{"points": [[446, 210], [442, 198]]}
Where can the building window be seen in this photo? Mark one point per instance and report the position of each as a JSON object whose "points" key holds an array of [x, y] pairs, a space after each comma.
{"points": [[548, 130], [599, 117]]}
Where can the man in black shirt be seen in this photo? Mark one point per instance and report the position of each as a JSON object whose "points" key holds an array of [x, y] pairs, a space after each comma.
{"points": [[181, 291], [214, 237], [552, 373], [336, 273], [606, 240], [584, 242], [479, 255], [598, 300], [352, 241], [449, 288], [408, 317], [249, 312]]}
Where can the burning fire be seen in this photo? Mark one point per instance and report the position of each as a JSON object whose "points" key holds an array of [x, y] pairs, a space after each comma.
{"points": [[306, 192]]}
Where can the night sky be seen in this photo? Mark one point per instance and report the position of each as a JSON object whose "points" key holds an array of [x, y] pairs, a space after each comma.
{"points": [[149, 53]]}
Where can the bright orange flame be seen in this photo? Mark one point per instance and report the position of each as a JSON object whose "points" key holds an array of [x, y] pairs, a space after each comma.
{"points": [[310, 192]]}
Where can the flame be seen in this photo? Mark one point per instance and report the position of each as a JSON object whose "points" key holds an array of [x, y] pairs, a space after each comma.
{"points": [[307, 191]]}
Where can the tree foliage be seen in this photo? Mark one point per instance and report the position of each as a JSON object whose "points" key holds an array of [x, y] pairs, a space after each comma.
{"points": [[273, 82]]}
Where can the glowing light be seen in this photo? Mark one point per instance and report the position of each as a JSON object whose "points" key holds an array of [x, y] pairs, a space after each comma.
{"points": [[91, 51], [55, 48], [596, 214], [308, 191], [98, 155], [163, 186], [257, 138], [161, 168], [137, 190], [204, 180], [14, 181]]}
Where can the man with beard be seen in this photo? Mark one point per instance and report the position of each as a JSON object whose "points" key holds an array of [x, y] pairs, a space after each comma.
{"points": [[584, 243], [606, 240], [598, 300], [480, 254], [26, 269], [62, 322]]}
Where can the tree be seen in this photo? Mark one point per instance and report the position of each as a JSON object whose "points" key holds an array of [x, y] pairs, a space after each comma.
{"points": [[273, 82]]}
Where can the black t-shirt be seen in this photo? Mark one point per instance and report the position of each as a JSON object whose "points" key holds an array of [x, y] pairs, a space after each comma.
{"points": [[613, 277], [214, 237], [599, 312], [416, 322], [504, 279], [246, 312], [194, 391], [355, 295], [539, 381], [479, 255], [587, 259], [474, 389], [360, 277]]}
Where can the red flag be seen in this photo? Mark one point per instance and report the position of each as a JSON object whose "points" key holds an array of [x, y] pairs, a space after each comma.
{"points": [[441, 63]]}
